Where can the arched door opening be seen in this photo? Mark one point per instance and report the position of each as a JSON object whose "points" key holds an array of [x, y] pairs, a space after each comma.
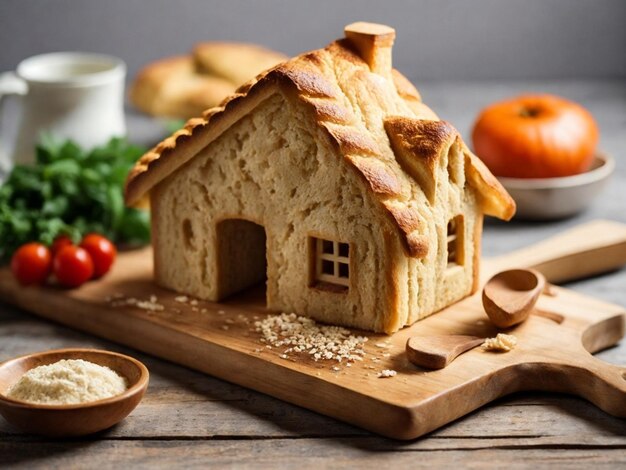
{"points": [[241, 256]]}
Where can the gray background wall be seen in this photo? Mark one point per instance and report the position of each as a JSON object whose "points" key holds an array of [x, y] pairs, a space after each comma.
{"points": [[437, 39]]}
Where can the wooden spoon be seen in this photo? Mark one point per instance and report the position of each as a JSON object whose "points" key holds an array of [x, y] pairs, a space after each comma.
{"points": [[509, 296], [437, 351]]}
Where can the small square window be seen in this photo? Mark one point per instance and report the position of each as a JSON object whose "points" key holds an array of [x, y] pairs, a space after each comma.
{"points": [[328, 267], [344, 270], [344, 249], [330, 264]]}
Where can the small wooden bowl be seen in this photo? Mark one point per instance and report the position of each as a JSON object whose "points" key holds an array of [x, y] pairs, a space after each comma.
{"points": [[76, 419]]}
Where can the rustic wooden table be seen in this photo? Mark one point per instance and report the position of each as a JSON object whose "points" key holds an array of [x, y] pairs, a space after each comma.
{"points": [[188, 419]]}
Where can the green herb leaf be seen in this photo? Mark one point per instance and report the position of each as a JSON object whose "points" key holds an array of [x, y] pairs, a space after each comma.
{"points": [[71, 192]]}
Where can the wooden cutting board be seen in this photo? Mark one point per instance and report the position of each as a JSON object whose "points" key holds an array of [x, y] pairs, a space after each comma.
{"points": [[219, 339]]}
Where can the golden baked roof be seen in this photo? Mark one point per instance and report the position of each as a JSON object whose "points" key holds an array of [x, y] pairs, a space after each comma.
{"points": [[371, 113]]}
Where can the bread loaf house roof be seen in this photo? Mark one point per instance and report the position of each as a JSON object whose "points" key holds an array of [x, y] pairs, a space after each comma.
{"points": [[370, 112]]}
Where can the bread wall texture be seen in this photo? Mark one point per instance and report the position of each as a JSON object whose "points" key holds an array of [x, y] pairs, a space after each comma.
{"points": [[274, 168]]}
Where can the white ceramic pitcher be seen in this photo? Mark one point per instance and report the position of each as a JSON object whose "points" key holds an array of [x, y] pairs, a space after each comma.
{"points": [[70, 95]]}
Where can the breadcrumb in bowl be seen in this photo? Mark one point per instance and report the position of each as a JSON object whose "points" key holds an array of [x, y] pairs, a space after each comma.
{"points": [[75, 419]]}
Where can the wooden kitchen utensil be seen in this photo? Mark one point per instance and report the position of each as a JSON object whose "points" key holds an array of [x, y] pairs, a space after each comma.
{"points": [[549, 356], [509, 296], [437, 351]]}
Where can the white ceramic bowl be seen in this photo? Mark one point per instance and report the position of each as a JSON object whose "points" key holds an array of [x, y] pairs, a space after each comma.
{"points": [[556, 198]]}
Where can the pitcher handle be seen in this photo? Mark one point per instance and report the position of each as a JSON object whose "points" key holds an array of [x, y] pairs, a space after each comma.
{"points": [[10, 84]]}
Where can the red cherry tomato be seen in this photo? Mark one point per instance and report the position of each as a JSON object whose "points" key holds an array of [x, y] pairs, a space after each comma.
{"points": [[31, 263], [60, 242], [102, 252], [73, 266]]}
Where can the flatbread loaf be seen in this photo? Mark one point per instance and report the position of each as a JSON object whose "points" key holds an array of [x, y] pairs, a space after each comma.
{"points": [[184, 86]]}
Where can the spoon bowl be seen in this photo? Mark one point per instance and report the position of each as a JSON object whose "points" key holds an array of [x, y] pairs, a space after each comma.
{"points": [[76, 419], [509, 296]]}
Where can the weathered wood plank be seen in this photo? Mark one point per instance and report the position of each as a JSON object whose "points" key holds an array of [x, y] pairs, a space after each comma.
{"points": [[565, 420], [364, 453]]}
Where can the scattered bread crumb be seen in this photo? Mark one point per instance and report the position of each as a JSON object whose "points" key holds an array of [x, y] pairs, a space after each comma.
{"points": [[387, 373], [150, 304], [181, 298], [303, 335], [501, 342]]}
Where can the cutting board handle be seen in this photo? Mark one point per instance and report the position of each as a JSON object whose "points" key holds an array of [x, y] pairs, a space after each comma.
{"points": [[589, 249], [601, 383]]}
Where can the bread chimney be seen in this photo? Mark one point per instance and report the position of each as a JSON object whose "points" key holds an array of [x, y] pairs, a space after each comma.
{"points": [[373, 42]]}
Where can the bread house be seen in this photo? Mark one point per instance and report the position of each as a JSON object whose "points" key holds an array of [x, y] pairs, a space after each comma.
{"points": [[327, 177]]}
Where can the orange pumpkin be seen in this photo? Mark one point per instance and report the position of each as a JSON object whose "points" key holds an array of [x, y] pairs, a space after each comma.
{"points": [[535, 136]]}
